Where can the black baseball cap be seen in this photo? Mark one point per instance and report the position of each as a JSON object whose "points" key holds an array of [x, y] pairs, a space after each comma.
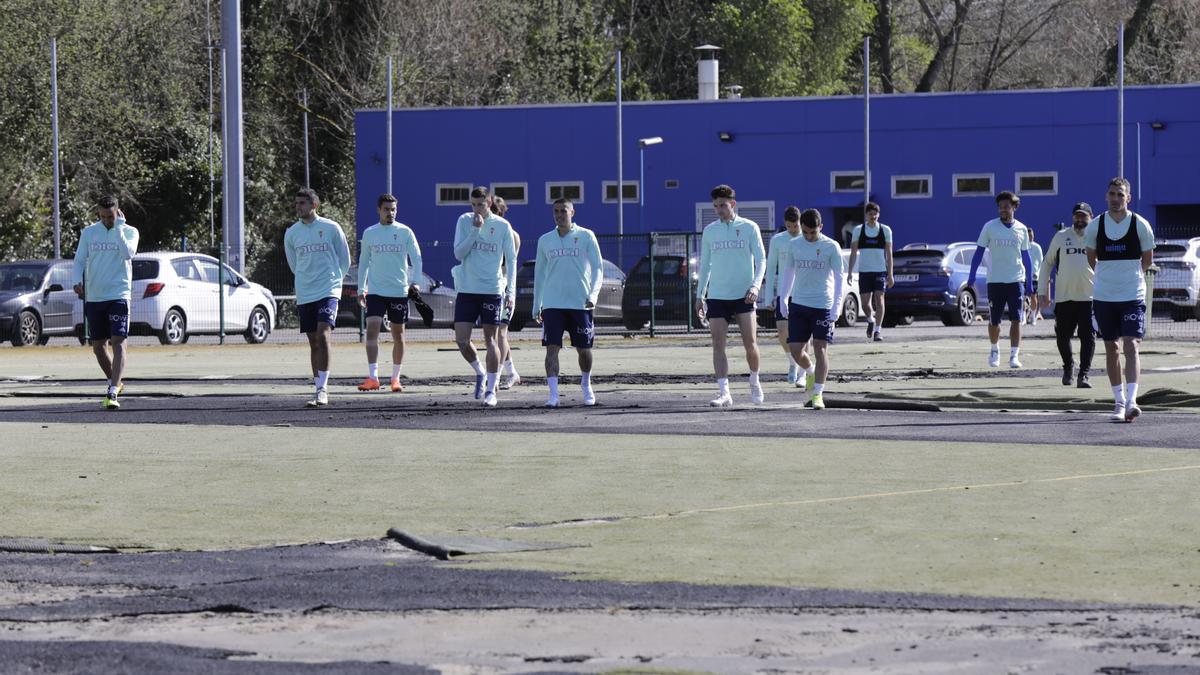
{"points": [[1082, 207]]}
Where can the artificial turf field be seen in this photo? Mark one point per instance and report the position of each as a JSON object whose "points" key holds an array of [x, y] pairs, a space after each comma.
{"points": [[987, 490]]}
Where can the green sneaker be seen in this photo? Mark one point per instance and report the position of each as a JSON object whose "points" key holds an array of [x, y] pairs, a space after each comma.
{"points": [[817, 402], [810, 379], [111, 403]]}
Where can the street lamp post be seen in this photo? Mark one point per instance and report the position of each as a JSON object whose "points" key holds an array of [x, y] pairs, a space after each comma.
{"points": [[644, 143]]}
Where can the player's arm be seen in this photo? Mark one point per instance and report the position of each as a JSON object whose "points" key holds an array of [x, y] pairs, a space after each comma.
{"points": [[288, 250], [510, 268], [760, 267], [887, 259], [787, 277], [705, 272], [976, 261], [835, 265], [364, 266], [1028, 263], [129, 241], [80, 265], [768, 291], [342, 251], [464, 238], [418, 263], [1043, 289], [596, 280], [540, 263], [853, 252]]}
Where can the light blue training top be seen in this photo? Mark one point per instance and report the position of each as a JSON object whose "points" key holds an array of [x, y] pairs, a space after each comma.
{"points": [[732, 260], [812, 273], [483, 252], [319, 257], [102, 260], [871, 259], [384, 259], [779, 242], [1005, 243], [568, 271]]}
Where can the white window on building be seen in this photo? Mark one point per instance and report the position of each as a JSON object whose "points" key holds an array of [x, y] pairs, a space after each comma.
{"points": [[629, 192], [974, 184], [845, 181], [453, 193], [512, 193], [572, 190], [912, 187], [1037, 183], [762, 213]]}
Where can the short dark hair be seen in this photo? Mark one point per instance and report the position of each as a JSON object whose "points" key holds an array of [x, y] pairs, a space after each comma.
{"points": [[564, 201], [107, 201], [1120, 180], [479, 192], [791, 214], [811, 218], [1030, 231], [499, 206], [870, 206], [1010, 196], [309, 194], [385, 198], [723, 191]]}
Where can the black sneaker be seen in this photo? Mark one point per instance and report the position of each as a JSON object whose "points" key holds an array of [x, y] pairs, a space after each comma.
{"points": [[1067, 372], [870, 328], [878, 337], [1083, 383]]}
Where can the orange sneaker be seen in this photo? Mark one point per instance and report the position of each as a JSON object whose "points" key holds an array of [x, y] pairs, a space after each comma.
{"points": [[396, 386], [369, 384]]}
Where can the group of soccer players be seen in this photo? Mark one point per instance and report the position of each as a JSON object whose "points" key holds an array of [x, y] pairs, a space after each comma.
{"points": [[1100, 264]]}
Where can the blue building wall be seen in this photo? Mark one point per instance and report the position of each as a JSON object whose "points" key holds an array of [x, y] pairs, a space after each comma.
{"points": [[784, 150]]}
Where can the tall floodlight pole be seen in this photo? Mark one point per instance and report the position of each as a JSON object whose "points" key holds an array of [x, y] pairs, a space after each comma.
{"points": [[1121, 99], [643, 143], [866, 123], [620, 174], [54, 143], [212, 180], [307, 182], [233, 225], [389, 127]]}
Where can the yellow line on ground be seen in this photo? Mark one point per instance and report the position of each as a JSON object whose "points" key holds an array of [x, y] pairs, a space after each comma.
{"points": [[903, 493]]}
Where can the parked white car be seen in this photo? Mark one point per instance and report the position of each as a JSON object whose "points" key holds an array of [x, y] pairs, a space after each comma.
{"points": [[1177, 284], [177, 295]]}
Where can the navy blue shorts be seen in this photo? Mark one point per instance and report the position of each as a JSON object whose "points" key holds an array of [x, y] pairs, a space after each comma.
{"points": [[576, 322], [106, 319], [775, 308], [1005, 295], [506, 315], [1115, 320], [809, 322], [317, 312], [472, 307], [396, 309], [869, 282], [726, 309]]}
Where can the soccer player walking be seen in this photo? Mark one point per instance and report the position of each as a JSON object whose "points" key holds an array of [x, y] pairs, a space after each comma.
{"points": [[1120, 247], [388, 248], [873, 240], [486, 283], [732, 264], [811, 294], [1035, 267], [102, 277], [566, 286], [318, 255], [508, 372], [770, 293], [1072, 294], [1008, 278]]}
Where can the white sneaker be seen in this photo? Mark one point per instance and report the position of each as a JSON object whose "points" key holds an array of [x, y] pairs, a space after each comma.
{"points": [[589, 397], [1132, 411], [510, 381], [756, 394], [1118, 413], [321, 399], [1014, 362], [489, 399], [793, 373], [551, 403], [994, 358], [722, 401]]}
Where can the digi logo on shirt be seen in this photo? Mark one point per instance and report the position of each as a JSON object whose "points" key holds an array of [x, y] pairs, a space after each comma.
{"points": [[1071, 250], [312, 248], [387, 248], [724, 245], [485, 246], [810, 264], [564, 252], [1005, 243], [102, 246]]}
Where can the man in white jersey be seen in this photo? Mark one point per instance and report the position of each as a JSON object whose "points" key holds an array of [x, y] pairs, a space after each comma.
{"points": [[1008, 279], [103, 278], [770, 296], [732, 264], [486, 282], [566, 286], [1035, 267], [811, 293], [508, 371], [1067, 258], [384, 283], [874, 240], [1120, 247], [318, 255]]}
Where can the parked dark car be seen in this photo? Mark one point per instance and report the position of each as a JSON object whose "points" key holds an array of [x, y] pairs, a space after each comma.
{"points": [[36, 301], [931, 280], [674, 292], [608, 306], [437, 296]]}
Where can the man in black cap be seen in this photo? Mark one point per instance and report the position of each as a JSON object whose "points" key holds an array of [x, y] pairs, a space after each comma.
{"points": [[1072, 293]]}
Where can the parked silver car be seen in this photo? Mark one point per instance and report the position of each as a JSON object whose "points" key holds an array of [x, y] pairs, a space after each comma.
{"points": [[36, 301]]}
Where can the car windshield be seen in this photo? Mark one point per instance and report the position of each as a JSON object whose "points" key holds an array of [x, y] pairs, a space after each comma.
{"points": [[22, 277], [1169, 250]]}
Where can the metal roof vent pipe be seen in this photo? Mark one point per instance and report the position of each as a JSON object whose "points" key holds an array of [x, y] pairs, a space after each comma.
{"points": [[708, 73], [735, 92]]}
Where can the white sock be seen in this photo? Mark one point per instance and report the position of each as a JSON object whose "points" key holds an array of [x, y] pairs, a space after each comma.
{"points": [[373, 371], [585, 380], [811, 370], [552, 382], [1013, 352], [396, 371], [477, 367], [995, 348], [818, 388], [723, 384], [512, 370], [321, 379], [1118, 394], [754, 379], [1130, 393], [491, 382], [112, 389]]}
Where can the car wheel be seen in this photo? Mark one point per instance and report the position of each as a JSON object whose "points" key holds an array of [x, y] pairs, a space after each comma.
{"points": [[964, 314], [849, 316], [1180, 314], [259, 327], [516, 325], [174, 328], [28, 329], [634, 323]]}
